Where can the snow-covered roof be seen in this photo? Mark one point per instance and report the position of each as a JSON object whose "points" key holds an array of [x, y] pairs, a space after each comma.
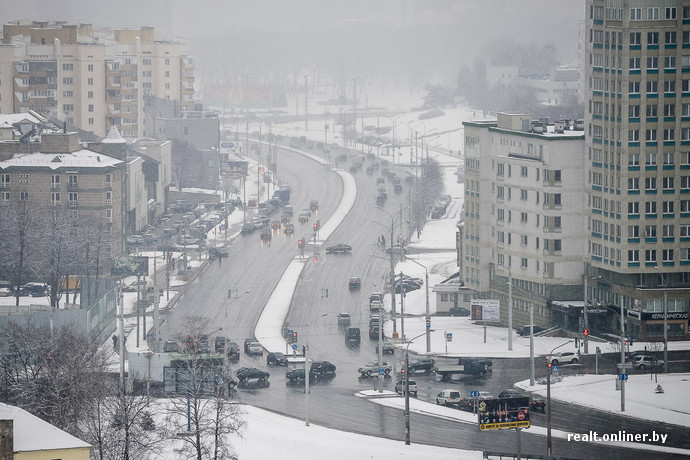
{"points": [[83, 158], [33, 434], [114, 137], [13, 118]]}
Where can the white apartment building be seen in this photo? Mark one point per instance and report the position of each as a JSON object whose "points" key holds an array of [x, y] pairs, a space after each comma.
{"points": [[91, 78], [524, 200]]}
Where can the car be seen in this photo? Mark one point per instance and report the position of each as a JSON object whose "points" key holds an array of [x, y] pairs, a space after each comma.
{"points": [[524, 330], [170, 346], [352, 336], [289, 229], [298, 374], [244, 374], [275, 225], [375, 296], [339, 248], [644, 361], [323, 368], [458, 311], [374, 332], [314, 205], [344, 319], [219, 343], [217, 253], [537, 402], [634, 354], [386, 347], [233, 351], [277, 358], [562, 358], [303, 218], [354, 283], [372, 367], [510, 393], [266, 234], [449, 397], [425, 365], [135, 239], [412, 385], [252, 347], [247, 228], [381, 199]]}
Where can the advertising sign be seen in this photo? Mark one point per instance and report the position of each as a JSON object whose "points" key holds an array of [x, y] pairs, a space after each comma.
{"points": [[497, 414], [130, 265], [486, 309]]}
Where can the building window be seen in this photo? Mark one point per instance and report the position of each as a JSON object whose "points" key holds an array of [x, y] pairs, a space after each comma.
{"points": [[670, 12], [668, 231], [650, 184], [667, 207], [652, 63], [650, 135], [523, 262], [635, 63], [5, 197], [634, 86], [670, 38], [4, 180], [55, 198], [91, 121], [650, 231], [90, 67], [650, 207], [669, 86], [90, 107], [108, 179], [108, 198], [90, 95], [72, 198], [635, 15], [633, 135], [652, 87], [633, 207], [667, 183], [635, 37], [89, 81], [634, 256], [633, 184], [650, 255], [652, 13], [24, 196], [633, 159], [523, 240], [67, 67], [650, 158]]}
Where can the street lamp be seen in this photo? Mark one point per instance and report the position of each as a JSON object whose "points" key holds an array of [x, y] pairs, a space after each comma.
{"points": [[307, 369], [663, 283], [548, 401], [428, 314], [392, 273], [510, 308], [407, 388]]}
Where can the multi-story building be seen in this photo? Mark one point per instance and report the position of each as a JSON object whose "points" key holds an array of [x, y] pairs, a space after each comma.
{"points": [[524, 199], [89, 77], [637, 115], [64, 175]]}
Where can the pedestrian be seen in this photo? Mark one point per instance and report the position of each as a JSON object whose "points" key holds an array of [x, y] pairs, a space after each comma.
{"points": [[383, 240], [115, 341], [304, 351]]}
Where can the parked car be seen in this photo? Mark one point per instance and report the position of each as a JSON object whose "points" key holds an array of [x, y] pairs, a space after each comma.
{"points": [[644, 361], [277, 358], [372, 367], [449, 397], [524, 330], [400, 387], [354, 283], [344, 319], [562, 358], [323, 368], [386, 347], [425, 365], [458, 311], [245, 374], [298, 374], [339, 248]]}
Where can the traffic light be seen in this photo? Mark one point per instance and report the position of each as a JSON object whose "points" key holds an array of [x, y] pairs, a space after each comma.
{"points": [[577, 342], [300, 244], [315, 259], [294, 337], [586, 332], [315, 226], [550, 365]]}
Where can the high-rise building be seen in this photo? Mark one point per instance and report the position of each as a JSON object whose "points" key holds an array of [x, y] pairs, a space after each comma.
{"points": [[92, 78], [637, 124]]}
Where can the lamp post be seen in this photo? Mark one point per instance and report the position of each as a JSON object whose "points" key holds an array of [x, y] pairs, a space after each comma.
{"points": [[531, 329], [510, 307], [548, 401], [407, 388], [392, 273], [428, 314], [663, 283], [307, 369]]}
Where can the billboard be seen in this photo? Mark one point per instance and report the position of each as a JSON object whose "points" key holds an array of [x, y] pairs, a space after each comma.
{"points": [[486, 310], [130, 265], [497, 414]]}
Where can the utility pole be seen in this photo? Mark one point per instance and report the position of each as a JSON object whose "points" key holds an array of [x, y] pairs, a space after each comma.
{"points": [[306, 112], [585, 312]]}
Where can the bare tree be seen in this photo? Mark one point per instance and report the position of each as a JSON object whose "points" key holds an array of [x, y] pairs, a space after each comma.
{"points": [[426, 193], [15, 223]]}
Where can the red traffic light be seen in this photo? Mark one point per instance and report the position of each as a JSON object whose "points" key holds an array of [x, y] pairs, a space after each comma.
{"points": [[314, 226], [300, 244], [550, 365], [586, 332]]}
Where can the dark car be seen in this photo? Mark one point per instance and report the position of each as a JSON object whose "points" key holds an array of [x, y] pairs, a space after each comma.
{"points": [[245, 374], [458, 311], [374, 332], [352, 336], [170, 346], [323, 368], [354, 283], [510, 393], [537, 402], [217, 253], [233, 351], [298, 374], [423, 364], [314, 205], [339, 248], [219, 343], [277, 358], [524, 330], [247, 228], [289, 229]]}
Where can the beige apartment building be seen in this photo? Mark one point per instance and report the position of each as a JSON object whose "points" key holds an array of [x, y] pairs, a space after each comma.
{"points": [[637, 115], [89, 77]]}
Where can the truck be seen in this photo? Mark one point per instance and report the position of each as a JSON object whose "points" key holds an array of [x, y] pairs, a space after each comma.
{"points": [[472, 366], [283, 195]]}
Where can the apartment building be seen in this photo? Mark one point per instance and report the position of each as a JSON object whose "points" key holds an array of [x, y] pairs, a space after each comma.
{"points": [[524, 199], [67, 176], [637, 116], [92, 78]]}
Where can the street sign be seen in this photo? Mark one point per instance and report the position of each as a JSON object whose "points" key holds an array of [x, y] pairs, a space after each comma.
{"points": [[496, 414], [428, 322], [314, 234], [474, 394], [382, 372], [623, 377], [555, 369], [449, 336], [294, 346]]}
